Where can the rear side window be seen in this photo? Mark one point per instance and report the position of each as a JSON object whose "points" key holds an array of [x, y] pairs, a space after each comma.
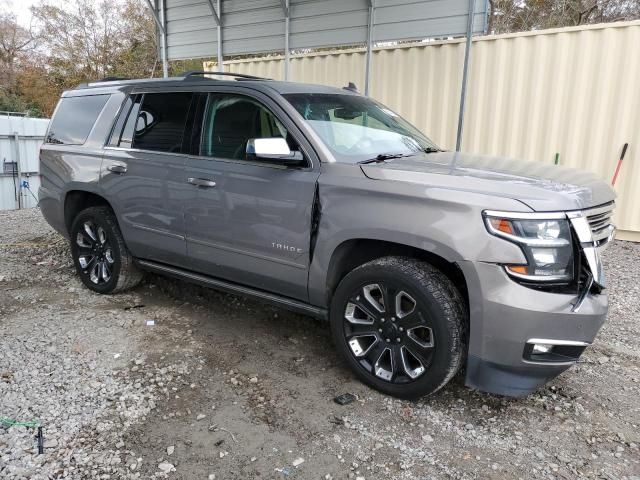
{"points": [[74, 119], [123, 137], [158, 122]]}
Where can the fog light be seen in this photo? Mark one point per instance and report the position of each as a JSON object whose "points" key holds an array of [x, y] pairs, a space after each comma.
{"points": [[541, 348], [565, 352]]}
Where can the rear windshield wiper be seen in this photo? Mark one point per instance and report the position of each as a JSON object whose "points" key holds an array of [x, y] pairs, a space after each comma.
{"points": [[385, 156]]}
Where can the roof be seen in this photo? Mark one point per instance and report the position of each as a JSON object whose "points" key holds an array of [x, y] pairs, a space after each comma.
{"points": [[190, 79]]}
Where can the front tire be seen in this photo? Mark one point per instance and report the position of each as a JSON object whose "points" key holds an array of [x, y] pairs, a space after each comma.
{"points": [[399, 324], [100, 255]]}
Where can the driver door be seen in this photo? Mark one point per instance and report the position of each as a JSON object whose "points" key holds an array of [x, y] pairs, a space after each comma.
{"points": [[249, 221]]}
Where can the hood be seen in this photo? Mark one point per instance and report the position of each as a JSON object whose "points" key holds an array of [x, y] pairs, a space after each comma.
{"points": [[540, 186]]}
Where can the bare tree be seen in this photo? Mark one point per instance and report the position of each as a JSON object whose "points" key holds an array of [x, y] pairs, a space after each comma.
{"points": [[522, 15], [87, 40], [74, 41], [15, 41]]}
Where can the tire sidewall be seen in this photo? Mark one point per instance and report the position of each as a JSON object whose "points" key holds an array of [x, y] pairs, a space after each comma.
{"points": [[446, 342], [97, 216]]}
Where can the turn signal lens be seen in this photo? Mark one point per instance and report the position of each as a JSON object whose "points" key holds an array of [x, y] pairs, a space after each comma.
{"points": [[502, 225], [521, 269]]}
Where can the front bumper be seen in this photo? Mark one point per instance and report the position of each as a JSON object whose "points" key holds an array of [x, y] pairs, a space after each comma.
{"points": [[505, 315]]}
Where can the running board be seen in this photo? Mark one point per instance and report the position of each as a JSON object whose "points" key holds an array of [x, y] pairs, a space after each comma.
{"points": [[229, 287]]}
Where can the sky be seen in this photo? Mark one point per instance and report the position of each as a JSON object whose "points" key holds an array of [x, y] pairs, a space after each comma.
{"points": [[21, 9]]}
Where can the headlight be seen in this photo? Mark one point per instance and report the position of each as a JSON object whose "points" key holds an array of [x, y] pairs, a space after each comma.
{"points": [[545, 242]]}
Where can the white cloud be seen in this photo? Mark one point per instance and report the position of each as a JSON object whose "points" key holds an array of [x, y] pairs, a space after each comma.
{"points": [[20, 8]]}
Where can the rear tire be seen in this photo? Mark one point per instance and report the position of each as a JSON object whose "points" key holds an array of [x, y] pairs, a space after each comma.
{"points": [[100, 255], [399, 323]]}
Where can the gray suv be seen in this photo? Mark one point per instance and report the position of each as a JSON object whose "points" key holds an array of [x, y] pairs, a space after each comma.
{"points": [[325, 202]]}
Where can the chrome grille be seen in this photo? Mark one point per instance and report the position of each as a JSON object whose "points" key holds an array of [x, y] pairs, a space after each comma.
{"points": [[599, 219]]}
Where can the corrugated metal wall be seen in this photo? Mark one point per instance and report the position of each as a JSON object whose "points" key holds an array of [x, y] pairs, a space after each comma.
{"points": [[573, 91], [31, 133]]}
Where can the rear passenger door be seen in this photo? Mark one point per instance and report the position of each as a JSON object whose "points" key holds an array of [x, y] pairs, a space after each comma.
{"points": [[251, 223], [143, 173]]}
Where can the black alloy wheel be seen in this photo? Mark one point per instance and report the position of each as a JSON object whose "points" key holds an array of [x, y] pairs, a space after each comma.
{"points": [[95, 253], [388, 333], [400, 324], [100, 255]]}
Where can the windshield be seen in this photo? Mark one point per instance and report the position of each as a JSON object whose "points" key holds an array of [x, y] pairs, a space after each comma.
{"points": [[357, 128]]}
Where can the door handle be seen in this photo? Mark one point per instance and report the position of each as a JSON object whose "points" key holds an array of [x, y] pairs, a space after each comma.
{"points": [[201, 182], [117, 168]]}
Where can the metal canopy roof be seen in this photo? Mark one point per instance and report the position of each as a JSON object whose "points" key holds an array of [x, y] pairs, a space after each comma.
{"points": [[208, 28], [258, 26]]}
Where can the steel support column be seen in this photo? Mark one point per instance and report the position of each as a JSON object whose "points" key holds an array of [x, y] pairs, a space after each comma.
{"points": [[219, 20], [367, 73], [155, 15], [163, 35], [18, 160], [214, 10], [465, 73], [163, 39], [286, 8], [217, 17]]}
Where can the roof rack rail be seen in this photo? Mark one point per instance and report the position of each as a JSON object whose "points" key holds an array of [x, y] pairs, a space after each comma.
{"points": [[111, 79], [240, 76], [105, 79]]}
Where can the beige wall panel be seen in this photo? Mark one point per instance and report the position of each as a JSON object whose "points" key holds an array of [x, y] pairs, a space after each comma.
{"points": [[574, 91]]}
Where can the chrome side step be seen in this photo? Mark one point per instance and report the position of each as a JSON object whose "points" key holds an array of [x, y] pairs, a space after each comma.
{"points": [[229, 287]]}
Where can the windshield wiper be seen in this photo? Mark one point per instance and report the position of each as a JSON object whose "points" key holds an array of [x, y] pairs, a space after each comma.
{"points": [[432, 150], [385, 156]]}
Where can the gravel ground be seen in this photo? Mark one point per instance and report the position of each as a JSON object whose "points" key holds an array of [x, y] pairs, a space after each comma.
{"points": [[223, 387]]}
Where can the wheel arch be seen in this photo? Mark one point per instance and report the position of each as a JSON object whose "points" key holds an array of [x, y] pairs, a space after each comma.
{"points": [[77, 200], [354, 252]]}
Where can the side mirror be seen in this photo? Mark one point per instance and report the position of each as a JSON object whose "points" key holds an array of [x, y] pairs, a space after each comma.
{"points": [[273, 149]]}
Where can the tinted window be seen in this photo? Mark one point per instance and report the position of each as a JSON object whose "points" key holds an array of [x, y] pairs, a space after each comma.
{"points": [[231, 120], [116, 135], [74, 119], [129, 128], [159, 122]]}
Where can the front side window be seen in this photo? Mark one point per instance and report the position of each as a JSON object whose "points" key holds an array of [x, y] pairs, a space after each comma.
{"points": [[230, 121], [357, 128], [157, 122], [74, 119]]}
